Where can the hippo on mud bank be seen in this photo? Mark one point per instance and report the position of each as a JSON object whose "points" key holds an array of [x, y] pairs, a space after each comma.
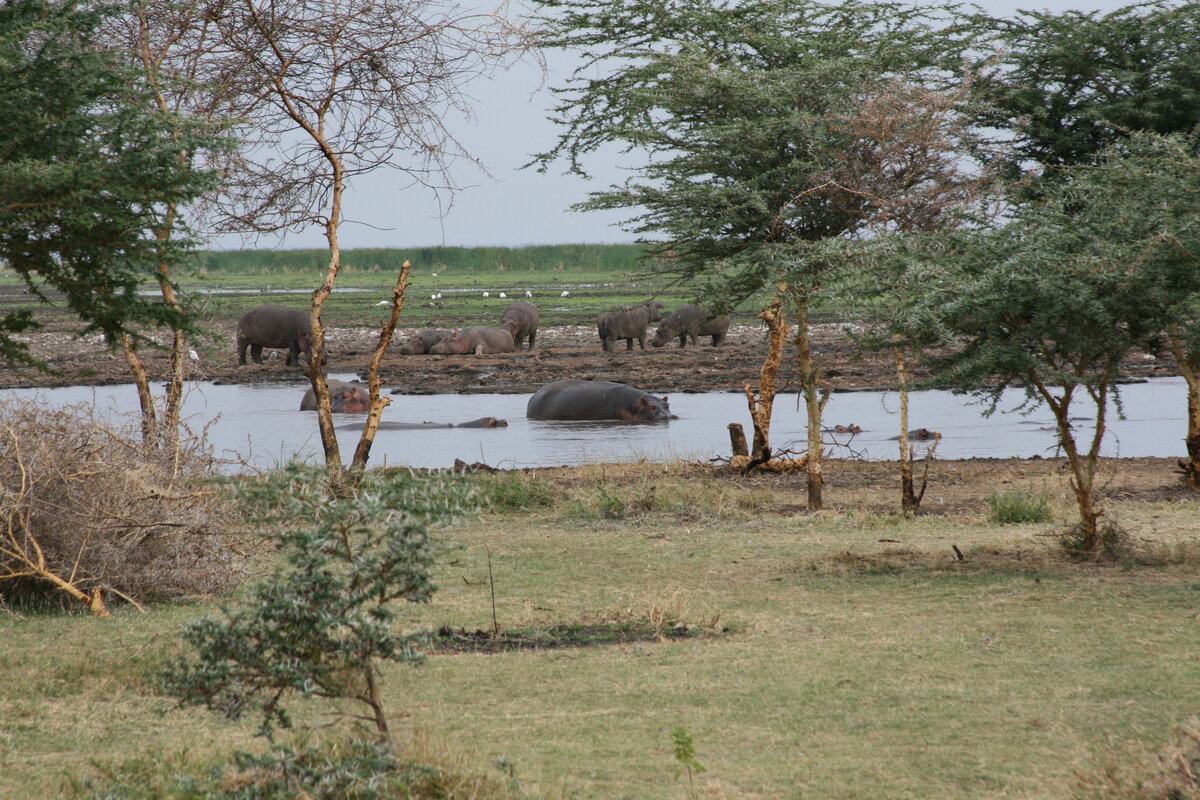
{"points": [[422, 341], [477, 339], [690, 322], [521, 320], [627, 324], [344, 398], [275, 327], [596, 400]]}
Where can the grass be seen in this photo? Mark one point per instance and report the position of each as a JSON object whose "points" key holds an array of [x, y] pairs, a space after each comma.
{"points": [[819, 660]]}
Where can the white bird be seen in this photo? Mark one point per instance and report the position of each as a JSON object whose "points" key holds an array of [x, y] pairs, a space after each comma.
{"points": [[437, 296], [503, 296], [193, 355], [485, 294], [434, 274], [383, 303], [528, 293], [433, 296], [565, 294]]}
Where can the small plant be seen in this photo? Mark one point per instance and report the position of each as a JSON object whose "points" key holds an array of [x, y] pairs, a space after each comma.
{"points": [[322, 624], [1017, 507], [1111, 542], [685, 754], [611, 506]]}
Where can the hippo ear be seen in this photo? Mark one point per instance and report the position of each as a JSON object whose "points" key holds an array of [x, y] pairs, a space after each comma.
{"points": [[640, 404]]}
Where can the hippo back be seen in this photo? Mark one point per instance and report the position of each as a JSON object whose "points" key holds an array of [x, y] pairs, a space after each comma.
{"points": [[596, 400]]}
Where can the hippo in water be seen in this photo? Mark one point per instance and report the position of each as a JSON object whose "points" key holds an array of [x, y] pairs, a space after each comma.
{"points": [[521, 320], [598, 400], [275, 327], [422, 341], [482, 422], [477, 339], [691, 322], [344, 398]]}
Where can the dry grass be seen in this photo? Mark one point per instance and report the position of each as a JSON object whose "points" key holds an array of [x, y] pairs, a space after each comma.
{"points": [[86, 508], [856, 654]]}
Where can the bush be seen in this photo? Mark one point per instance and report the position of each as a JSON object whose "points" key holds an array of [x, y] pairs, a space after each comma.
{"points": [[88, 510], [1017, 507], [514, 491]]}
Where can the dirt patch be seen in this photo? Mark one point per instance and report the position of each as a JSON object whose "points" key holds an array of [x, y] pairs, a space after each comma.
{"points": [[568, 351], [556, 637]]}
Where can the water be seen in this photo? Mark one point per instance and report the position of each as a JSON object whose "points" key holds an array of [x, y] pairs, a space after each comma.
{"points": [[259, 426]]}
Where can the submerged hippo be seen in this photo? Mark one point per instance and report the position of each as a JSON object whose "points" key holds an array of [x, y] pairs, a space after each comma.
{"points": [[275, 327], [344, 398], [690, 322], [421, 341], [477, 339], [521, 320], [600, 400], [627, 324], [482, 422]]}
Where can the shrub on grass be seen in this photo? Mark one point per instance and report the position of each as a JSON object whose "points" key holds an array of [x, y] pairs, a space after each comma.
{"points": [[1017, 507], [513, 490], [89, 511]]}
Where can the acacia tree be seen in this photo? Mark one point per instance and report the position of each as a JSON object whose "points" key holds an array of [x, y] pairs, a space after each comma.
{"points": [[165, 42], [913, 164], [725, 106], [1057, 298], [332, 91], [1068, 85], [88, 167]]}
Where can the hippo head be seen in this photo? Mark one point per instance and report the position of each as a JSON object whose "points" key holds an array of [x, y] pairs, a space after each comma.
{"points": [[351, 399], [456, 344], [649, 408], [656, 309], [661, 336]]}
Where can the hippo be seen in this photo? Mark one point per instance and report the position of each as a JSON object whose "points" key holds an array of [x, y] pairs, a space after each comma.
{"points": [[919, 435], [477, 339], [627, 324], [691, 321], [482, 422], [276, 327], [422, 340], [599, 400], [344, 398], [521, 320]]}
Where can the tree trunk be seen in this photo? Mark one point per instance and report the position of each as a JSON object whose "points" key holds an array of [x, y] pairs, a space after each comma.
{"points": [[737, 440], [908, 498], [333, 455], [1083, 466], [378, 403], [762, 404], [814, 401], [1189, 368], [145, 398]]}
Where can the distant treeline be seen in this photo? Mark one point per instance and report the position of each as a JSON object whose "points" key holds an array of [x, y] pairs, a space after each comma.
{"points": [[450, 260]]}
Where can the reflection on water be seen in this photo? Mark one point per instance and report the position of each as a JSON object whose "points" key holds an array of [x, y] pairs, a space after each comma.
{"points": [[260, 425]]}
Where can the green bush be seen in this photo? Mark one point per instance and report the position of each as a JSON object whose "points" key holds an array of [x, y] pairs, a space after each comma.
{"points": [[1021, 506], [513, 490]]}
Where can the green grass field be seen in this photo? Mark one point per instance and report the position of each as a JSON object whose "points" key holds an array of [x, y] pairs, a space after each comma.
{"points": [[842, 654]]}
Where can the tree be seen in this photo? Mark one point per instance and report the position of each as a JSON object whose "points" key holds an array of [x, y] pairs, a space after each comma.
{"points": [[728, 104], [1057, 298], [88, 166], [325, 621], [164, 43], [334, 91], [914, 163], [1068, 85]]}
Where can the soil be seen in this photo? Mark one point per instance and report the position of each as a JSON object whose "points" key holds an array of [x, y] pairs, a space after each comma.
{"points": [[571, 351]]}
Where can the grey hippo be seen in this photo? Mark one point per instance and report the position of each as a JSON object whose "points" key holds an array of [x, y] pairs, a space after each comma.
{"points": [[627, 324], [596, 400], [477, 339], [690, 322], [275, 327], [521, 320], [344, 398]]}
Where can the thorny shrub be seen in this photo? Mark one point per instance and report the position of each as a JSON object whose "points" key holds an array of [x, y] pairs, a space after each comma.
{"points": [[84, 504]]}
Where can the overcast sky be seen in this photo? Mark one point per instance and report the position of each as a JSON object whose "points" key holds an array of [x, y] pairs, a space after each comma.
{"points": [[515, 206]]}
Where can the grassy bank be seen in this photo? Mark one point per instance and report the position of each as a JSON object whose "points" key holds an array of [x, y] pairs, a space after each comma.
{"points": [[847, 653]]}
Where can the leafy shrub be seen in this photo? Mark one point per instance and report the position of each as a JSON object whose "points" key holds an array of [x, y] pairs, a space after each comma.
{"points": [[322, 623], [86, 508], [1017, 507]]}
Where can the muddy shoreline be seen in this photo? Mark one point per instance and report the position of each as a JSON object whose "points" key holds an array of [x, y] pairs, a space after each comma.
{"points": [[562, 352]]}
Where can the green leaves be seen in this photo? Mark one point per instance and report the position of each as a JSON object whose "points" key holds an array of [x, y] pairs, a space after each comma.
{"points": [[324, 621]]}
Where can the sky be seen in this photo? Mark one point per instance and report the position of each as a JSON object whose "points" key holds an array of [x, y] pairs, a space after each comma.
{"points": [[514, 207]]}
